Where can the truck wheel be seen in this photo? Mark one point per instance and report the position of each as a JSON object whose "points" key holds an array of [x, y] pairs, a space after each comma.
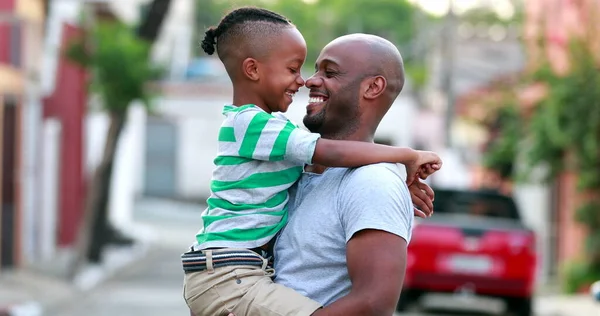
{"points": [[407, 299], [521, 306]]}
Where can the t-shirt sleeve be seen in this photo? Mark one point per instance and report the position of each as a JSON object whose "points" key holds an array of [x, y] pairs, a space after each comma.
{"points": [[262, 136], [376, 197]]}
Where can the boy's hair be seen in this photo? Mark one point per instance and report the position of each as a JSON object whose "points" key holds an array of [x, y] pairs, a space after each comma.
{"points": [[244, 32]]}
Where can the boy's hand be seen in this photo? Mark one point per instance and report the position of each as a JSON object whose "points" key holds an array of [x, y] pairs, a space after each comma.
{"points": [[425, 164]]}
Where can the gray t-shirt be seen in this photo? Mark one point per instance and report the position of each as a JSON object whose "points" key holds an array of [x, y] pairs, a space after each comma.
{"points": [[325, 211]]}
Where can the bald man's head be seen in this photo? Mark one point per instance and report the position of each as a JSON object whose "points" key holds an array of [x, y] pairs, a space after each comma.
{"points": [[357, 79], [376, 56]]}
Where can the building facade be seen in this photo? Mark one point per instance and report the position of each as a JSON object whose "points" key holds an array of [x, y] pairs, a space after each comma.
{"points": [[21, 31]]}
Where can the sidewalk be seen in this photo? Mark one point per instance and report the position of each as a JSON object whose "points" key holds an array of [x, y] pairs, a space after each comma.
{"points": [[32, 290], [163, 229], [562, 305]]}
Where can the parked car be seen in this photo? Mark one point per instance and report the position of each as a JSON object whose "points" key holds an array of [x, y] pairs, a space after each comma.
{"points": [[477, 243]]}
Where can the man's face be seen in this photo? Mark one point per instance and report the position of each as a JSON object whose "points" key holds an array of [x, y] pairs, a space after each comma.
{"points": [[335, 89]]}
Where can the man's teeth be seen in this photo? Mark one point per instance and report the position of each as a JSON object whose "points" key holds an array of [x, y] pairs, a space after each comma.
{"points": [[315, 100]]}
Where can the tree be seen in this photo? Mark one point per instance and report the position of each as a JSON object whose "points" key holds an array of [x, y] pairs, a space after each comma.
{"points": [[118, 58]]}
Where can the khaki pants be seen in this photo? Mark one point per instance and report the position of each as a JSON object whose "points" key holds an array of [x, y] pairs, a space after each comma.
{"points": [[244, 291]]}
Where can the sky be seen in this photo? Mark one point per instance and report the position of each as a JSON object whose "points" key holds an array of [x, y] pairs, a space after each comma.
{"points": [[440, 7]]}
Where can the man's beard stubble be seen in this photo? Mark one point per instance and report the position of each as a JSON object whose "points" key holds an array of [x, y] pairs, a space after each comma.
{"points": [[343, 119]]}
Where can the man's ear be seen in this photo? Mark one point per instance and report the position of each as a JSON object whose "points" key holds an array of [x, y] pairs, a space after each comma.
{"points": [[376, 86], [250, 69]]}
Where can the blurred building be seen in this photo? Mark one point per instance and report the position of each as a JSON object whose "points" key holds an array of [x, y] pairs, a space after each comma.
{"points": [[483, 56], [21, 31], [558, 22], [550, 208], [42, 99]]}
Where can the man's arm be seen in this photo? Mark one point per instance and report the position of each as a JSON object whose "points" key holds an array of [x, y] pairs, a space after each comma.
{"points": [[376, 264]]}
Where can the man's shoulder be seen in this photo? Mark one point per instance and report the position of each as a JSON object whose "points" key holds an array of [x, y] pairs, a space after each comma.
{"points": [[379, 172], [383, 176]]}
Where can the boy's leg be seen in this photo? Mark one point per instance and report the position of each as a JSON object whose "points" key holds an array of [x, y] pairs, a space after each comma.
{"points": [[201, 292], [215, 288], [267, 298]]}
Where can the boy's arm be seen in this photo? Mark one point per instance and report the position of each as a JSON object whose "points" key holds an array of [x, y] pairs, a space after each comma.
{"points": [[341, 153], [262, 136]]}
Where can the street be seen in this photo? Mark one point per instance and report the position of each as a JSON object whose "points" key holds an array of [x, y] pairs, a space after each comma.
{"points": [[153, 287]]}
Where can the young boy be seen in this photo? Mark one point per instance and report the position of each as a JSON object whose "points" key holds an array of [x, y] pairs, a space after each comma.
{"points": [[261, 154]]}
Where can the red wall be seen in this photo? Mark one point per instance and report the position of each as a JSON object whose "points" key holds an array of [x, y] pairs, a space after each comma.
{"points": [[67, 104], [7, 5], [4, 42]]}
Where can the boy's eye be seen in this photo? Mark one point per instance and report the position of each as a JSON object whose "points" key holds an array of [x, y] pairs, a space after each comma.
{"points": [[293, 70]]}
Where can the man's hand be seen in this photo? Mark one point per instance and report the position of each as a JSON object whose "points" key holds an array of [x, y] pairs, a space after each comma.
{"points": [[422, 197], [426, 163]]}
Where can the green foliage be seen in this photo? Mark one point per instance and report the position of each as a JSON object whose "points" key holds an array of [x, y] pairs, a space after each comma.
{"points": [[119, 63], [578, 274], [588, 215], [418, 72], [568, 119], [502, 151]]}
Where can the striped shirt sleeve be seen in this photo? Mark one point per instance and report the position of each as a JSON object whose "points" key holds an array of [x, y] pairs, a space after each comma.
{"points": [[262, 136]]}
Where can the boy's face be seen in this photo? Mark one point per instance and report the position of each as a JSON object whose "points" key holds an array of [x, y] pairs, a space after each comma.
{"points": [[281, 70]]}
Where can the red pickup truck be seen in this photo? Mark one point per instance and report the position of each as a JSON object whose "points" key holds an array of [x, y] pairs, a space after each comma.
{"points": [[474, 243]]}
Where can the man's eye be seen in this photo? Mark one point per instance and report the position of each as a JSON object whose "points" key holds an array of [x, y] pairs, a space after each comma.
{"points": [[330, 73]]}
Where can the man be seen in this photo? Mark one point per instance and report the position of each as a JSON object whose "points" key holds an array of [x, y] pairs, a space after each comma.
{"points": [[345, 244]]}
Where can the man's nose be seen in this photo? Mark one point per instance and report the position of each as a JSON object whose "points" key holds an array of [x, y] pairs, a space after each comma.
{"points": [[313, 81]]}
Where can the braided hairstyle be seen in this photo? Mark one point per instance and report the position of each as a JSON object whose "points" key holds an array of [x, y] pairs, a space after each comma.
{"points": [[238, 26]]}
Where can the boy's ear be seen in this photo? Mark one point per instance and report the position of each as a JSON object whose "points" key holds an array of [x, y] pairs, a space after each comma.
{"points": [[250, 69]]}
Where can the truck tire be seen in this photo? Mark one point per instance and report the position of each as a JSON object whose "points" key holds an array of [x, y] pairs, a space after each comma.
{"points": [[520, 306]]}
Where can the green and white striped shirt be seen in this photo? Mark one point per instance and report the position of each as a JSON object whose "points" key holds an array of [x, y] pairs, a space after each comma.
{"points": [[260, 156]]}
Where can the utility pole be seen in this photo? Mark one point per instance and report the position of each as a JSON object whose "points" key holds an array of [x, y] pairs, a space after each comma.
{"points": [[448, 56]]}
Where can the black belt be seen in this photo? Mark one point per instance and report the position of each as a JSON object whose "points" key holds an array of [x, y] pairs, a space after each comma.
{"points": [[197, 260]]}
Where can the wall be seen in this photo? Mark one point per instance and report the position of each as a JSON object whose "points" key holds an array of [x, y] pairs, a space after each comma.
{"points": [[68, 103]]}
